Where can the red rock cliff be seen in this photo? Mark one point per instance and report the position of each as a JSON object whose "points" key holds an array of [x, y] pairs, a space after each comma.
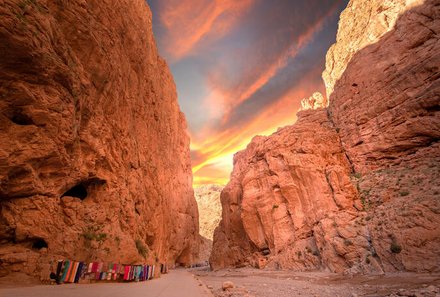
{"points": [[355, 187], [94, 157]]}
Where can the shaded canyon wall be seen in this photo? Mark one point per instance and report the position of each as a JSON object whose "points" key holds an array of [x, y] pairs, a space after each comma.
{"points": [[94, 157]]}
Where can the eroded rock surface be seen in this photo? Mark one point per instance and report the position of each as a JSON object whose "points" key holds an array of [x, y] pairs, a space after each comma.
{"points": [[94, 157], [355, 187], [362, 23], [314, 102], [289, 194], [389, 124]]}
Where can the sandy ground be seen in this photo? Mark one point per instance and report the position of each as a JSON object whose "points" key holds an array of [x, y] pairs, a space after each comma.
{"points": [[247, 282], [262, 283], [178, 283]]}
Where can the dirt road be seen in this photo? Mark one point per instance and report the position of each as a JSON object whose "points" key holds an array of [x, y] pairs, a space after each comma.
{"points": [[263, 283], [247, 282], [178, 283]]}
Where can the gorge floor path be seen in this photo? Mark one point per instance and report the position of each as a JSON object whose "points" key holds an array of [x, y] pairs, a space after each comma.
{"points": [[177, 283], [277, 283]]}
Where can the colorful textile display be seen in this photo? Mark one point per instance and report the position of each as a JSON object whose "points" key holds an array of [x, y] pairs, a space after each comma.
{"points": [[139, 274], [126, 272], [68, 271], [81, 271], [73, 272], [152, 272], [59, 269], [144, 272], [95, 267], [112, 268]]}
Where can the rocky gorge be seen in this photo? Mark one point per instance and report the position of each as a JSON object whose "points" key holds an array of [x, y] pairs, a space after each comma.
{"points": [[353, 187], [86, 112], [95, 153]]}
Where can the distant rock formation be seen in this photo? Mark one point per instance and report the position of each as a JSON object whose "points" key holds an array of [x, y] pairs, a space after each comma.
{"points": [[94, 157], [210, 208], [205, 248], [314, 102], [354, 187]]}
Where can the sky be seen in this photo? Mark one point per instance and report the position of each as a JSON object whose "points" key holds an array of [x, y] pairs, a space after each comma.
{"points": [[241, 68]]}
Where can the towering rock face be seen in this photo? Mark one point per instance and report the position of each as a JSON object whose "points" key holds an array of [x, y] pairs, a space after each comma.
{"points": [[354, 187], [289, 194], [362, 23], [94, 158], [390, 129]]}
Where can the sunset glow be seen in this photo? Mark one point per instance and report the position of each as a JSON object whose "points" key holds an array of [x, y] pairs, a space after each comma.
{"points": [[241, 68]]}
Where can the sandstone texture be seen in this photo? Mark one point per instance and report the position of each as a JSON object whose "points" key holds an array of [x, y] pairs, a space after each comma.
{"points": [[289, 194], [354, 187], [386, 106], [362, 23], [314, 102], [205, 248], [94, 157]]}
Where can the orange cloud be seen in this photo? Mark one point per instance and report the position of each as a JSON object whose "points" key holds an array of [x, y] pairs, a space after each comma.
{"points": [[244, 100], [216, 152], [189, 21], [229, 99]]}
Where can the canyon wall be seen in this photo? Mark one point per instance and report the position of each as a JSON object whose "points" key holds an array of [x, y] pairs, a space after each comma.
{"points": [[288, 194], [362, 23], [94, 158], [354, 187]]}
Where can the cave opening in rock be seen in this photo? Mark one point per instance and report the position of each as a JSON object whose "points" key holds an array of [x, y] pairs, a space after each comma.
{"points": [[265, 251], [86, 188], [434, 108], [39, 244], [78, 191], [19, 118]]}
